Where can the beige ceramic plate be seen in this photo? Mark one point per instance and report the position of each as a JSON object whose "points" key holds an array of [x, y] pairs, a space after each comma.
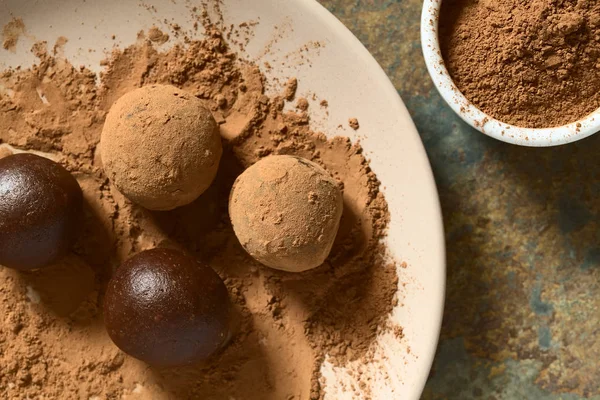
{"points": [[344, 73]]}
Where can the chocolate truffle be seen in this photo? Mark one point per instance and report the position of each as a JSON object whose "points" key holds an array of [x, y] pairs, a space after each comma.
{"points": [[41, 207], [165, 308], [160, 147], [286, 212]]}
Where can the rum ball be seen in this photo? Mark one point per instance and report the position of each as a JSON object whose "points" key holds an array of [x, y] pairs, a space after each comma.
{"points": [[41, 209], [167, 309]]}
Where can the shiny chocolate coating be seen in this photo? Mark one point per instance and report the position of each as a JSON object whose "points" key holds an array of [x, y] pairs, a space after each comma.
{"points": [[167, 309], [41, 207]]}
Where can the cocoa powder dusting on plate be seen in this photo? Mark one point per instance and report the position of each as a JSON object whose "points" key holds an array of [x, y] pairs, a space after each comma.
{"points": [[288, 323], [532, 64], [157, 36], [11, 33]]}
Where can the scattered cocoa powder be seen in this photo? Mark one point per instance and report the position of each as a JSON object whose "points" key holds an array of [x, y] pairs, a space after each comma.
{"points": [[528, 63], [302, 104], [157, 36], [288, 322], [290, 89], [11, 33]]}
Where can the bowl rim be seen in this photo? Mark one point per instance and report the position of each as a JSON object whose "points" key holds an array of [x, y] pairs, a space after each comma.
{"points": [[486, 124]]}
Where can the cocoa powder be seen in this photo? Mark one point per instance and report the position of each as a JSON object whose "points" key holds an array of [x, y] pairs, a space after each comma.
{"points": [[529, 63], [52, 340], [11, 33]]}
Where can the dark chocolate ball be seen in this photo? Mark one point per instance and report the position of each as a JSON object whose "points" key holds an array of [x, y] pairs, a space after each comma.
{"points": [[165, 308], [41, 207]]}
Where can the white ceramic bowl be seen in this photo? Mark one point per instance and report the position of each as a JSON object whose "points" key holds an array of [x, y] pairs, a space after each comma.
{"points": [[477, 118], [341, 71]]}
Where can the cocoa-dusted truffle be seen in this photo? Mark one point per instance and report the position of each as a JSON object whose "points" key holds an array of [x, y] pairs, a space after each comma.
{"points": [[41, 206], [160, 147], [167, 309], [286, 212]]}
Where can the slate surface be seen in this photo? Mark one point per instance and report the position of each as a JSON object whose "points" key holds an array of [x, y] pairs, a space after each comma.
{"points": [[523, 237]]}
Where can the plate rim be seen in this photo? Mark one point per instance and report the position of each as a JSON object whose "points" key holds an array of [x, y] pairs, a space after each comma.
{"points": [[434, 212], [374, 67]]}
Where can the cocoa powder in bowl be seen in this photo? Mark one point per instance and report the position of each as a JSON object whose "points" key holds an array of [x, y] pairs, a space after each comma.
{"points": [[289, 323], [533, 64]]}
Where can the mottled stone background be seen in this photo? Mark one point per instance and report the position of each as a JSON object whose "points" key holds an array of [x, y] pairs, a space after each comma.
{"points": [[523, 236]]}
